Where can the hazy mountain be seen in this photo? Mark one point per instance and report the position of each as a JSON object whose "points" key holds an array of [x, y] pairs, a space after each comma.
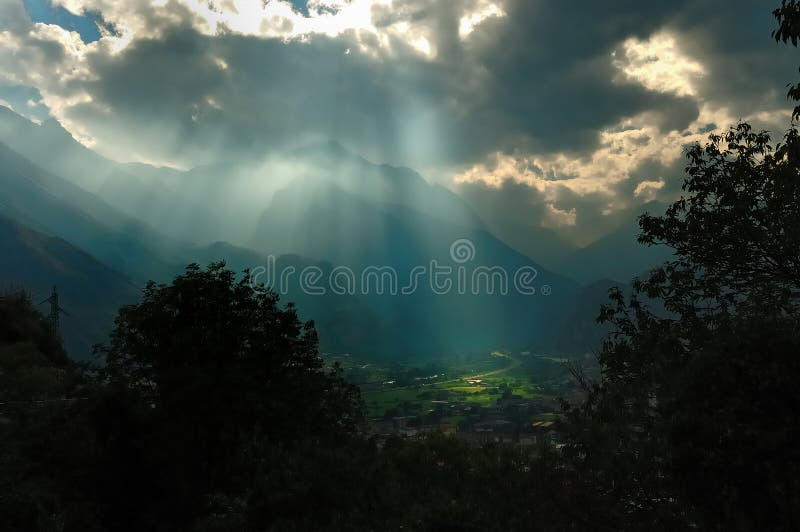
{"points": [[57, 207], [344, 322], [332, 205], [601, 246], [136, 190], [383, 184], [52, 147], [310, 216], [617, 256], [541, 244], [576, 330], [222, 201], [85, 224], [90, 291]]}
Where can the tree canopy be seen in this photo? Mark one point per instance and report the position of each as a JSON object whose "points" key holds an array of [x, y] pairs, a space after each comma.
{"points": [[693, 421]]}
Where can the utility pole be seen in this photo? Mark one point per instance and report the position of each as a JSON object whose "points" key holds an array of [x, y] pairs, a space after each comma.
{"points": [[53, 318]]}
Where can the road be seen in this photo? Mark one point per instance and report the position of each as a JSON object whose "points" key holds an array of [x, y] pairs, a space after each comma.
{"points": [[515, 363]]}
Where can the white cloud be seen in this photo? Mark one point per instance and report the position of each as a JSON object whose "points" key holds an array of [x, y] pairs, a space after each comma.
{"points": [[659, 65], [138, 19], [621, 150], [646, 190], [484, 10], [555, 217], [621, 154]]}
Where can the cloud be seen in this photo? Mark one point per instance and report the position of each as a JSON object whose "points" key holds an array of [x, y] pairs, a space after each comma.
{"points": [[648, 189], [659, 65], [483, 11], [14, 15], [577, 108], [555, 217]]}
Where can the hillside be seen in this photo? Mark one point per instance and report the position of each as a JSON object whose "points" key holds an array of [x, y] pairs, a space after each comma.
{"points": [[90, 291]]}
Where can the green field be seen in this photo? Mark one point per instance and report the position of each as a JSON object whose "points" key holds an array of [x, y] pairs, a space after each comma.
{"points": [[449, 387]]}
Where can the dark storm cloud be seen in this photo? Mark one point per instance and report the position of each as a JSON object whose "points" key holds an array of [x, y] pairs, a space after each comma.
{"points": [[540, 80], [536, 79], [237, 96], [551, 75], [747, 70]]}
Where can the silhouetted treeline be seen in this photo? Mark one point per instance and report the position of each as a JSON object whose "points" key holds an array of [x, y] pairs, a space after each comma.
{"points": [[212, 410]]}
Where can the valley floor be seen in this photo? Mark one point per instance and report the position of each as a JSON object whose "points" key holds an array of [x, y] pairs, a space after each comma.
{"points": [[489, 397]]}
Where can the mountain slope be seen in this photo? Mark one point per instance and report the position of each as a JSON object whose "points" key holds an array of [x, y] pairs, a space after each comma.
{"points": [[55, 206], [383, 184], [317, 217], [53, 148], [542, 245], [90, 291], [47, 205], [618, 256], [222, 201], [336, 207]]}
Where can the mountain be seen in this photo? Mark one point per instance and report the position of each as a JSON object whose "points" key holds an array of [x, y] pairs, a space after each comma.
{"points": [[332, 209], [383, 184], [351, 231], [618, 255], [344, 323], [605, 248], [54, 149], [541, 244], [90, 291], [45, 204], [238, 191], [141, 191], [221, 201], [50, 204], [576, 329]]}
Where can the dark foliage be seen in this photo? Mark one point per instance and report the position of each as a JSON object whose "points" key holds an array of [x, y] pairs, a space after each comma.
{"points": [[212, 411], [692, 423], [46, 441]]}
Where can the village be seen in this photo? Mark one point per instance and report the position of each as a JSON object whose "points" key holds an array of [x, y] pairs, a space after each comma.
{"points": [[500, 397]]}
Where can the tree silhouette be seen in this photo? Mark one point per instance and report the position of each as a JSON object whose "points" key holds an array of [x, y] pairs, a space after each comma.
{"points": [[202, 369], [692, 423], [46, 441]]}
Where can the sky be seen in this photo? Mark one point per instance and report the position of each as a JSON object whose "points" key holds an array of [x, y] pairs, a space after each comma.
{"points": [[554, 114]]}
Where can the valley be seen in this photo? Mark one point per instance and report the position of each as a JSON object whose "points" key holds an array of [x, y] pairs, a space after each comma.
{"points": [[495, 396]]}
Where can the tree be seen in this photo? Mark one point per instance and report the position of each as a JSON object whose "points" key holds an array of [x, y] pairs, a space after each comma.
{"points": [[201, 369], [693, 422], [46, 438], [788, 18]]}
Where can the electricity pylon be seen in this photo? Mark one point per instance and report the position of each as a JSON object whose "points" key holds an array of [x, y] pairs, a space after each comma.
{"points": [[53, 318]]}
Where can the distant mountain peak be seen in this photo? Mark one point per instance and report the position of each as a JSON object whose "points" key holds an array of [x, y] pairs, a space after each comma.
{"points": [[52, 123], [330, 149], [53, 127]]}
